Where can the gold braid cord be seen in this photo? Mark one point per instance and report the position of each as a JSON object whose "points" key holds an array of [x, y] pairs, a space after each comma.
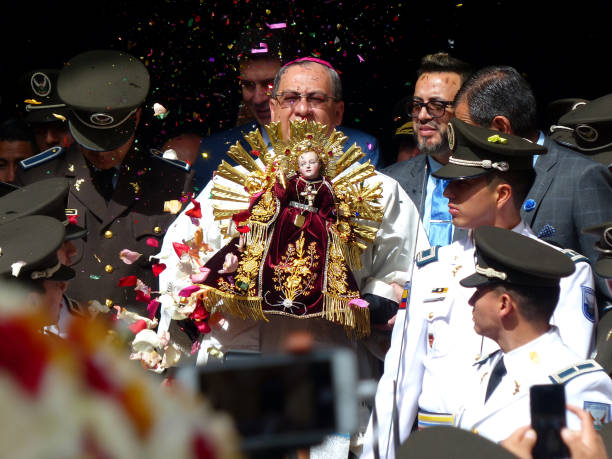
{"points": [[358, 214]]}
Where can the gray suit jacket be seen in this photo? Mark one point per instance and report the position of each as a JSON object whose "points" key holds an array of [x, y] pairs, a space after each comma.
{"points": [[570, 192], [412, 176]]}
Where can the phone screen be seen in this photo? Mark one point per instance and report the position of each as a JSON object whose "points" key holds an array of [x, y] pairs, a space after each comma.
{"points": [[547, 418], [274, 401]]}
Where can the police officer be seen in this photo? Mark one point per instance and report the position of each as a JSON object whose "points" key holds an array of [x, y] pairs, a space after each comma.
{"points": [[44, 112], [517, 286], [30, 271], [433, 340], [587, 129], [603, 267], [49, 197], [117, 188]]}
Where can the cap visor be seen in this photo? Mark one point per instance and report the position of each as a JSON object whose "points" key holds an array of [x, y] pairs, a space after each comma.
{"points": [[564, 137], [74, 232], [476, 280], [64, 273], [102, 139], [46, 115], [455, 172]]}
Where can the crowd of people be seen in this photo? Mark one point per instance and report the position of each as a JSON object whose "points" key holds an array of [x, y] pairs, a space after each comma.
{"points": [[475, 266]]}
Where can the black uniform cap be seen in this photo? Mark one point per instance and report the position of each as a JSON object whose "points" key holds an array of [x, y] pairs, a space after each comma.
{"points": [[41, 102], [103, 89], [28, 249], [603, 265], [476, 151], [588, 129], [508, 257], [557, 108], [47, 197]]}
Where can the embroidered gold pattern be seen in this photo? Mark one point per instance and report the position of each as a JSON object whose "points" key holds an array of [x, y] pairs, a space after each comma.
{"points": [[294, 275]]}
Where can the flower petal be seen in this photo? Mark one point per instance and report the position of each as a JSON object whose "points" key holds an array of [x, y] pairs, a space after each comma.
{"points": [[128, 256], [188, 291], [359, 303]]}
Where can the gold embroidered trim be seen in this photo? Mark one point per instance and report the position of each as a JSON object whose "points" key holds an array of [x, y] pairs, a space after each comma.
{"points": [[294, 275], [245, 307]]}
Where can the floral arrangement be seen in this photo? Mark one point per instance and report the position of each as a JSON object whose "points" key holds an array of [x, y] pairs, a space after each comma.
{"points": [[80, 397]]}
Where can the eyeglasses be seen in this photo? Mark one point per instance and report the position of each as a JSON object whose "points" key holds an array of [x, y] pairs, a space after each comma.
{"points": [[290, 99], [435, 108]]}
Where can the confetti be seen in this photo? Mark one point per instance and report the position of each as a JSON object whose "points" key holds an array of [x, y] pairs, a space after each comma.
{"points": [[159, 111], [188, 291], [358, 302], [194, 212], [180, 248], [200, 277], [127, 281], [173, 207], [128, 256], [152, 308], [158, 268], [152, 242], [138, 326]]}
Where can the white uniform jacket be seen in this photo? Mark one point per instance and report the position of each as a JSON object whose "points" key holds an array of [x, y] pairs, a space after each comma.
{"points": [[586, 386], [435, 345]]}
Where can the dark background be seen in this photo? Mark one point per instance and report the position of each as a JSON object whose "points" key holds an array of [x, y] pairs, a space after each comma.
{"points": [[562, 48]]}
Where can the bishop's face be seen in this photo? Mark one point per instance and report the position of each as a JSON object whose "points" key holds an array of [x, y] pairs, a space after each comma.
{"points": [[312, 80]]}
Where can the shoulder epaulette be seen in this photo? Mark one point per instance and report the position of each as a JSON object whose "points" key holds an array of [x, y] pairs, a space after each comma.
{"points": [[427, 256], [175, 162], [575, 370], [575, 256], [41, 157]]}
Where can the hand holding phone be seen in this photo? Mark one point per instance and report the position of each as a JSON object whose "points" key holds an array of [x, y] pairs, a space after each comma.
{"points": [[547, 403]]}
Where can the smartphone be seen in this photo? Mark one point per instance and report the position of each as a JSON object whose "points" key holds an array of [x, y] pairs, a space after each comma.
{"points": [[547, 402], [284, 401]]}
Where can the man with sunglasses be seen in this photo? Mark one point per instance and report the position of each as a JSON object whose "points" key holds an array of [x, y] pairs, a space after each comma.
{"points": [[438, 79]]}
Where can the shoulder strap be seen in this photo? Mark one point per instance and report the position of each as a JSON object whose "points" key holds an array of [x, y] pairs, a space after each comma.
{"points": [[575, 256], [575, 370], [427, 256], [41, 158]]}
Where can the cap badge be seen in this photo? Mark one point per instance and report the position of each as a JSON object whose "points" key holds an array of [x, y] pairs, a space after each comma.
{"points": [[496, 138], [101, 119], [40, 84], [450, 132], [587, 133]]}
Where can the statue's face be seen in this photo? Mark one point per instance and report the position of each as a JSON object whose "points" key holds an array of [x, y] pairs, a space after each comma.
{"points": [[309, 165]]}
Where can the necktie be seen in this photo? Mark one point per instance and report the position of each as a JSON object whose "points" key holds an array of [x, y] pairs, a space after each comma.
{"points": [[103, 179], [440, 224], [496, 376]]}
